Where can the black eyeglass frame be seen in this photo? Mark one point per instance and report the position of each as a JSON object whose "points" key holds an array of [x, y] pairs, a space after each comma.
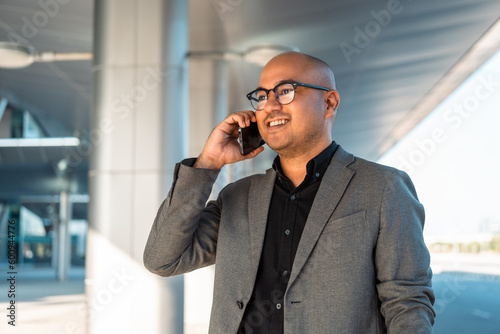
{"points": [[293, 83]]}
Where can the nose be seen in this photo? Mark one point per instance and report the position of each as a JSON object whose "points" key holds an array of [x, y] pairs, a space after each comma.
{"points": [[272, 103]]}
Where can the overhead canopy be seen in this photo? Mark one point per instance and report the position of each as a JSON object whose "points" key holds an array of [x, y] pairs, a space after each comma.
{"points": [[388, 56]]}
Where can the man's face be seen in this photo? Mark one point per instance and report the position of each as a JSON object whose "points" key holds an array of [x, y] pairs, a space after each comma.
{"points": [[297, 127]]}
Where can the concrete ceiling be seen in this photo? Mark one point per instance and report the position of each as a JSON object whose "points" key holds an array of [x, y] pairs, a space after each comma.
{"points": [[385, 65]]}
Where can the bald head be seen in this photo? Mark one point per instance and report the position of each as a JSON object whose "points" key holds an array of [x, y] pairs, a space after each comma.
{"points": [[319, 71], [305, 123]]}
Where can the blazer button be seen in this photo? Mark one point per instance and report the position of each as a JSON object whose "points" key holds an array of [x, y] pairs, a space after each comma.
{"points": [[240, 304]]}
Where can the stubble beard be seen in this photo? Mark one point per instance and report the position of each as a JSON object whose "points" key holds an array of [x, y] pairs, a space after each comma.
{"points": [[300, 144], [296, 147]]}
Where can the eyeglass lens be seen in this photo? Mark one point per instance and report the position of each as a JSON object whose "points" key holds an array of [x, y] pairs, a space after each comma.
{"points": [[284, 94]]}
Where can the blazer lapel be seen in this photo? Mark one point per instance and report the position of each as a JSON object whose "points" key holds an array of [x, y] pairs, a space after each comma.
{"points": [[259, 200], [331, 190]]}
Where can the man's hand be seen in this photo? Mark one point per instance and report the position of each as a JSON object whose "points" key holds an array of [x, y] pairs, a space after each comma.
{"points": [[222, 147]]}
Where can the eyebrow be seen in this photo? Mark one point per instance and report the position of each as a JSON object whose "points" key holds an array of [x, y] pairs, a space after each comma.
{"points": [[279, 83]]}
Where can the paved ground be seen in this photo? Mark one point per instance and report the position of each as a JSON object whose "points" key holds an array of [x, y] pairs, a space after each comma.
{"points": [[45, 306], [466, 303]]}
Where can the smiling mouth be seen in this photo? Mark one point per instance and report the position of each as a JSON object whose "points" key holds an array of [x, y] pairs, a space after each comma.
{"points": [[278, 122]]}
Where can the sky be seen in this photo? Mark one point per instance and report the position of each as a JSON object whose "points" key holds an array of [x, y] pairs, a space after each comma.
{"points": [[453, 158]]}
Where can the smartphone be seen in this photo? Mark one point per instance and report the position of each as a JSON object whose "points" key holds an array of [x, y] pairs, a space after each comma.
{"points": [[249, 138]]}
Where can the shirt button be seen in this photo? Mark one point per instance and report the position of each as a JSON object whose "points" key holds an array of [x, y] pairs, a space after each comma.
{"points": [[292, 197], [317, 174], [287, 232], [278, 306], [285, 272]]}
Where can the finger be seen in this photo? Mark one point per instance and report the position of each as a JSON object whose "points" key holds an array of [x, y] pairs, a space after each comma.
{"points": [[254, 153], [236, 118], [248, 116], [251, 115]]}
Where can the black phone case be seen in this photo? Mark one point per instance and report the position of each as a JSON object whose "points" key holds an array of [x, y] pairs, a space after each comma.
{"points": [[249, 138]]}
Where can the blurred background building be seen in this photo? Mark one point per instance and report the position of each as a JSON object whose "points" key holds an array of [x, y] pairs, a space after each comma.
{"points": [[99, 99]]}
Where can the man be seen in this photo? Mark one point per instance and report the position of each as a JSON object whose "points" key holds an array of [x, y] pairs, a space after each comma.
{"points": [[324, 242]]}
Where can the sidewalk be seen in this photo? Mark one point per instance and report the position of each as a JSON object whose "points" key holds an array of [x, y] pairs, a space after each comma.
{"points": [[44, 305]]}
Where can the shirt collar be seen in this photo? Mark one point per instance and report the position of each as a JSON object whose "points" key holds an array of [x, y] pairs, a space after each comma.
{"points": [[316, 167]]}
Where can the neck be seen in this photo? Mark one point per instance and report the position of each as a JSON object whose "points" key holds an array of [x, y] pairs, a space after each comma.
{"points": [[295, 166]]}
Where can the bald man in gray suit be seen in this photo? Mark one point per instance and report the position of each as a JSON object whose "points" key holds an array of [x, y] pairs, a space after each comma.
{"points": [[323, 242]]}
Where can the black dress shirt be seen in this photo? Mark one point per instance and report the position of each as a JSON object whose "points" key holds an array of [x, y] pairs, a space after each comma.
{"points": [[286, 219]]}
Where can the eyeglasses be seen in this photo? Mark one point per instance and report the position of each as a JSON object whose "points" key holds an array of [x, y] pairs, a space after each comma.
{"points": [[284, 92]]}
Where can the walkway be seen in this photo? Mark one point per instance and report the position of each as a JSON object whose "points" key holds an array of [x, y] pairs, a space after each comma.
{"points": [[44, 305]]}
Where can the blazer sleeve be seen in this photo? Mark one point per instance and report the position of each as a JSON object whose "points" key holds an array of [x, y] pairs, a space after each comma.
{"points": [[184, 233], [402, 260]]}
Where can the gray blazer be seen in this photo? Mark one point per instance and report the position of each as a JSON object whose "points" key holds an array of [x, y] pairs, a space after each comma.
{"points": [[361, 265]]}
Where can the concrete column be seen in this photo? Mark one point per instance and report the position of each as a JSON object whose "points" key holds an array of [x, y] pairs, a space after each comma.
{"points": [[221, 83], [63, 242], [220, 112], [229, 173], [139, 131]]}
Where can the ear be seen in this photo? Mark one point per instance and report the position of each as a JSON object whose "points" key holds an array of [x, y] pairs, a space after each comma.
{"points": [[332, 102]]}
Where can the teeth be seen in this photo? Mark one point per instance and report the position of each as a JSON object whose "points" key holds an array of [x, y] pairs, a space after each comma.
{"points": [[279, 122]]}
